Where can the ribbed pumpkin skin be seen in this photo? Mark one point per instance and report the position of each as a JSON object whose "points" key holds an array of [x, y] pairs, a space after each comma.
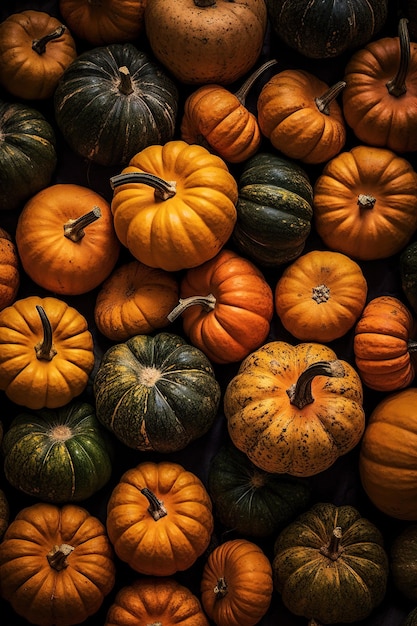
{"points": [[403, 562], [156, 393], [103, 123], [155, 600], [342, 589], [9, 269], [274, 210], [57, 456], [26, 137]]}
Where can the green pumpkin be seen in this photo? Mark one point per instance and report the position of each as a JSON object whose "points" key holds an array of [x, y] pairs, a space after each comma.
{"points": [[408, 273], [250, 501], [59, 455], [274, 210], [156, 393], [27, 154], [410, 619], [403, 560], [114, 101], [330, 565]]}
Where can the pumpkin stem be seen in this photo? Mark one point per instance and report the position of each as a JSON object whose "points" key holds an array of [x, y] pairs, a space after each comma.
{"points": [[126, 84], [74, 229], [396, 86], [44, 349], [57, 556], [300, 393], [207, 302], [220, 590], [333, 549], [242, 92], [323, 102], [156, 507], [163, 189], [39, 45], [365, 201]]}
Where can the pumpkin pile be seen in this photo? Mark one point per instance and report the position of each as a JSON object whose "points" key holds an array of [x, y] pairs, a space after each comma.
{"points": [[208, 313]]}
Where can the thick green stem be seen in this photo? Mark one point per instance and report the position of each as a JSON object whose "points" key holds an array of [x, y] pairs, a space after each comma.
{"points": [[243, 91], [74, 229], [396, 86], [163, 189], [323, 102], [156, 507], [45, 350], [39, 45], [300, 393], [207, 302]]}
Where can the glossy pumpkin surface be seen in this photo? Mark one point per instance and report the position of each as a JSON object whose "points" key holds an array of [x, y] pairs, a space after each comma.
{"points": [[58, 456], [159, 518], [156, 392], [9, 269], [56, 564], [328, 554], [288, 420]]}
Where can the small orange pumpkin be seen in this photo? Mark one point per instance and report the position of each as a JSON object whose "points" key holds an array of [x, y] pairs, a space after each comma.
{"points": [[9, 270]]}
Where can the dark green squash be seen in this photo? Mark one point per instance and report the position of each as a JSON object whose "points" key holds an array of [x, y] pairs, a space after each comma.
{"points": [[156, 393], [114, 101], [61, 455], [410, 619], [250, 501], [330, 565], [27, 154], [322, 29], [403, 561], [274, 210], [408, 272]]}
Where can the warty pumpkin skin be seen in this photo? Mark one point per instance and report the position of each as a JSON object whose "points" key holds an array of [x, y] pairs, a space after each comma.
{"points": [[286, 418], [66, 239], [331, 565], [35, 50], [56, 564], [388, 459], [155, 601], [236, 584], [365, 203], [47, 352], [156, 393], [159, 518], [183, 214], [9, 269]]}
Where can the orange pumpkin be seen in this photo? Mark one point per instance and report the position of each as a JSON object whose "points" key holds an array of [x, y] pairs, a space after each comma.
{"points": [[56, 564], [35, 50], [320, 296], [9, 270], [226, 307], [365, 203], [66, 239], [301, 117]]}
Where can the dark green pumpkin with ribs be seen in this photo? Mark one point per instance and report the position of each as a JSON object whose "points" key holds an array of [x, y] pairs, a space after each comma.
{"points": [[408, 272], [274, 210], [156, 393]]}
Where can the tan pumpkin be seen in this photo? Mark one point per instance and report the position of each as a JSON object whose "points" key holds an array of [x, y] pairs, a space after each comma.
{"points": [[9, 269]]}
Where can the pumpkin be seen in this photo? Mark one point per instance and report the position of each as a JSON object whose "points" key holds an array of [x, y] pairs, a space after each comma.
{"points": [[4, 513], [301, 117], [226, 306], [382, 344], [9, 269], [219, 120], [274, 209], [57, 455], [159, 518], [403, 561], [156, 392], [113, 101], [365, 203], [410, 618], [388, 459], [380, 96], [56, 564], [408, 274], [236, 584], [135, 300], [26, 138], [106, 21], [320, 295], [330, 564], [250, 501], [294, 409], [156, 600], [204, 41], [47, 352], [322, 29], [35, 50], [174, 205]]}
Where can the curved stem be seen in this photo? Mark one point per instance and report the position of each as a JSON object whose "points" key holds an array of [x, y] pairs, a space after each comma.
{"points": [[300, 393], [45, 350], [57, 556], [396, 86], [242, 92], [207, 302], [156, 507], [366, 201], [324, 101], [163, 189], [126, 84], [220, 590], [39, 45], [333, 549], [74, 229]]}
